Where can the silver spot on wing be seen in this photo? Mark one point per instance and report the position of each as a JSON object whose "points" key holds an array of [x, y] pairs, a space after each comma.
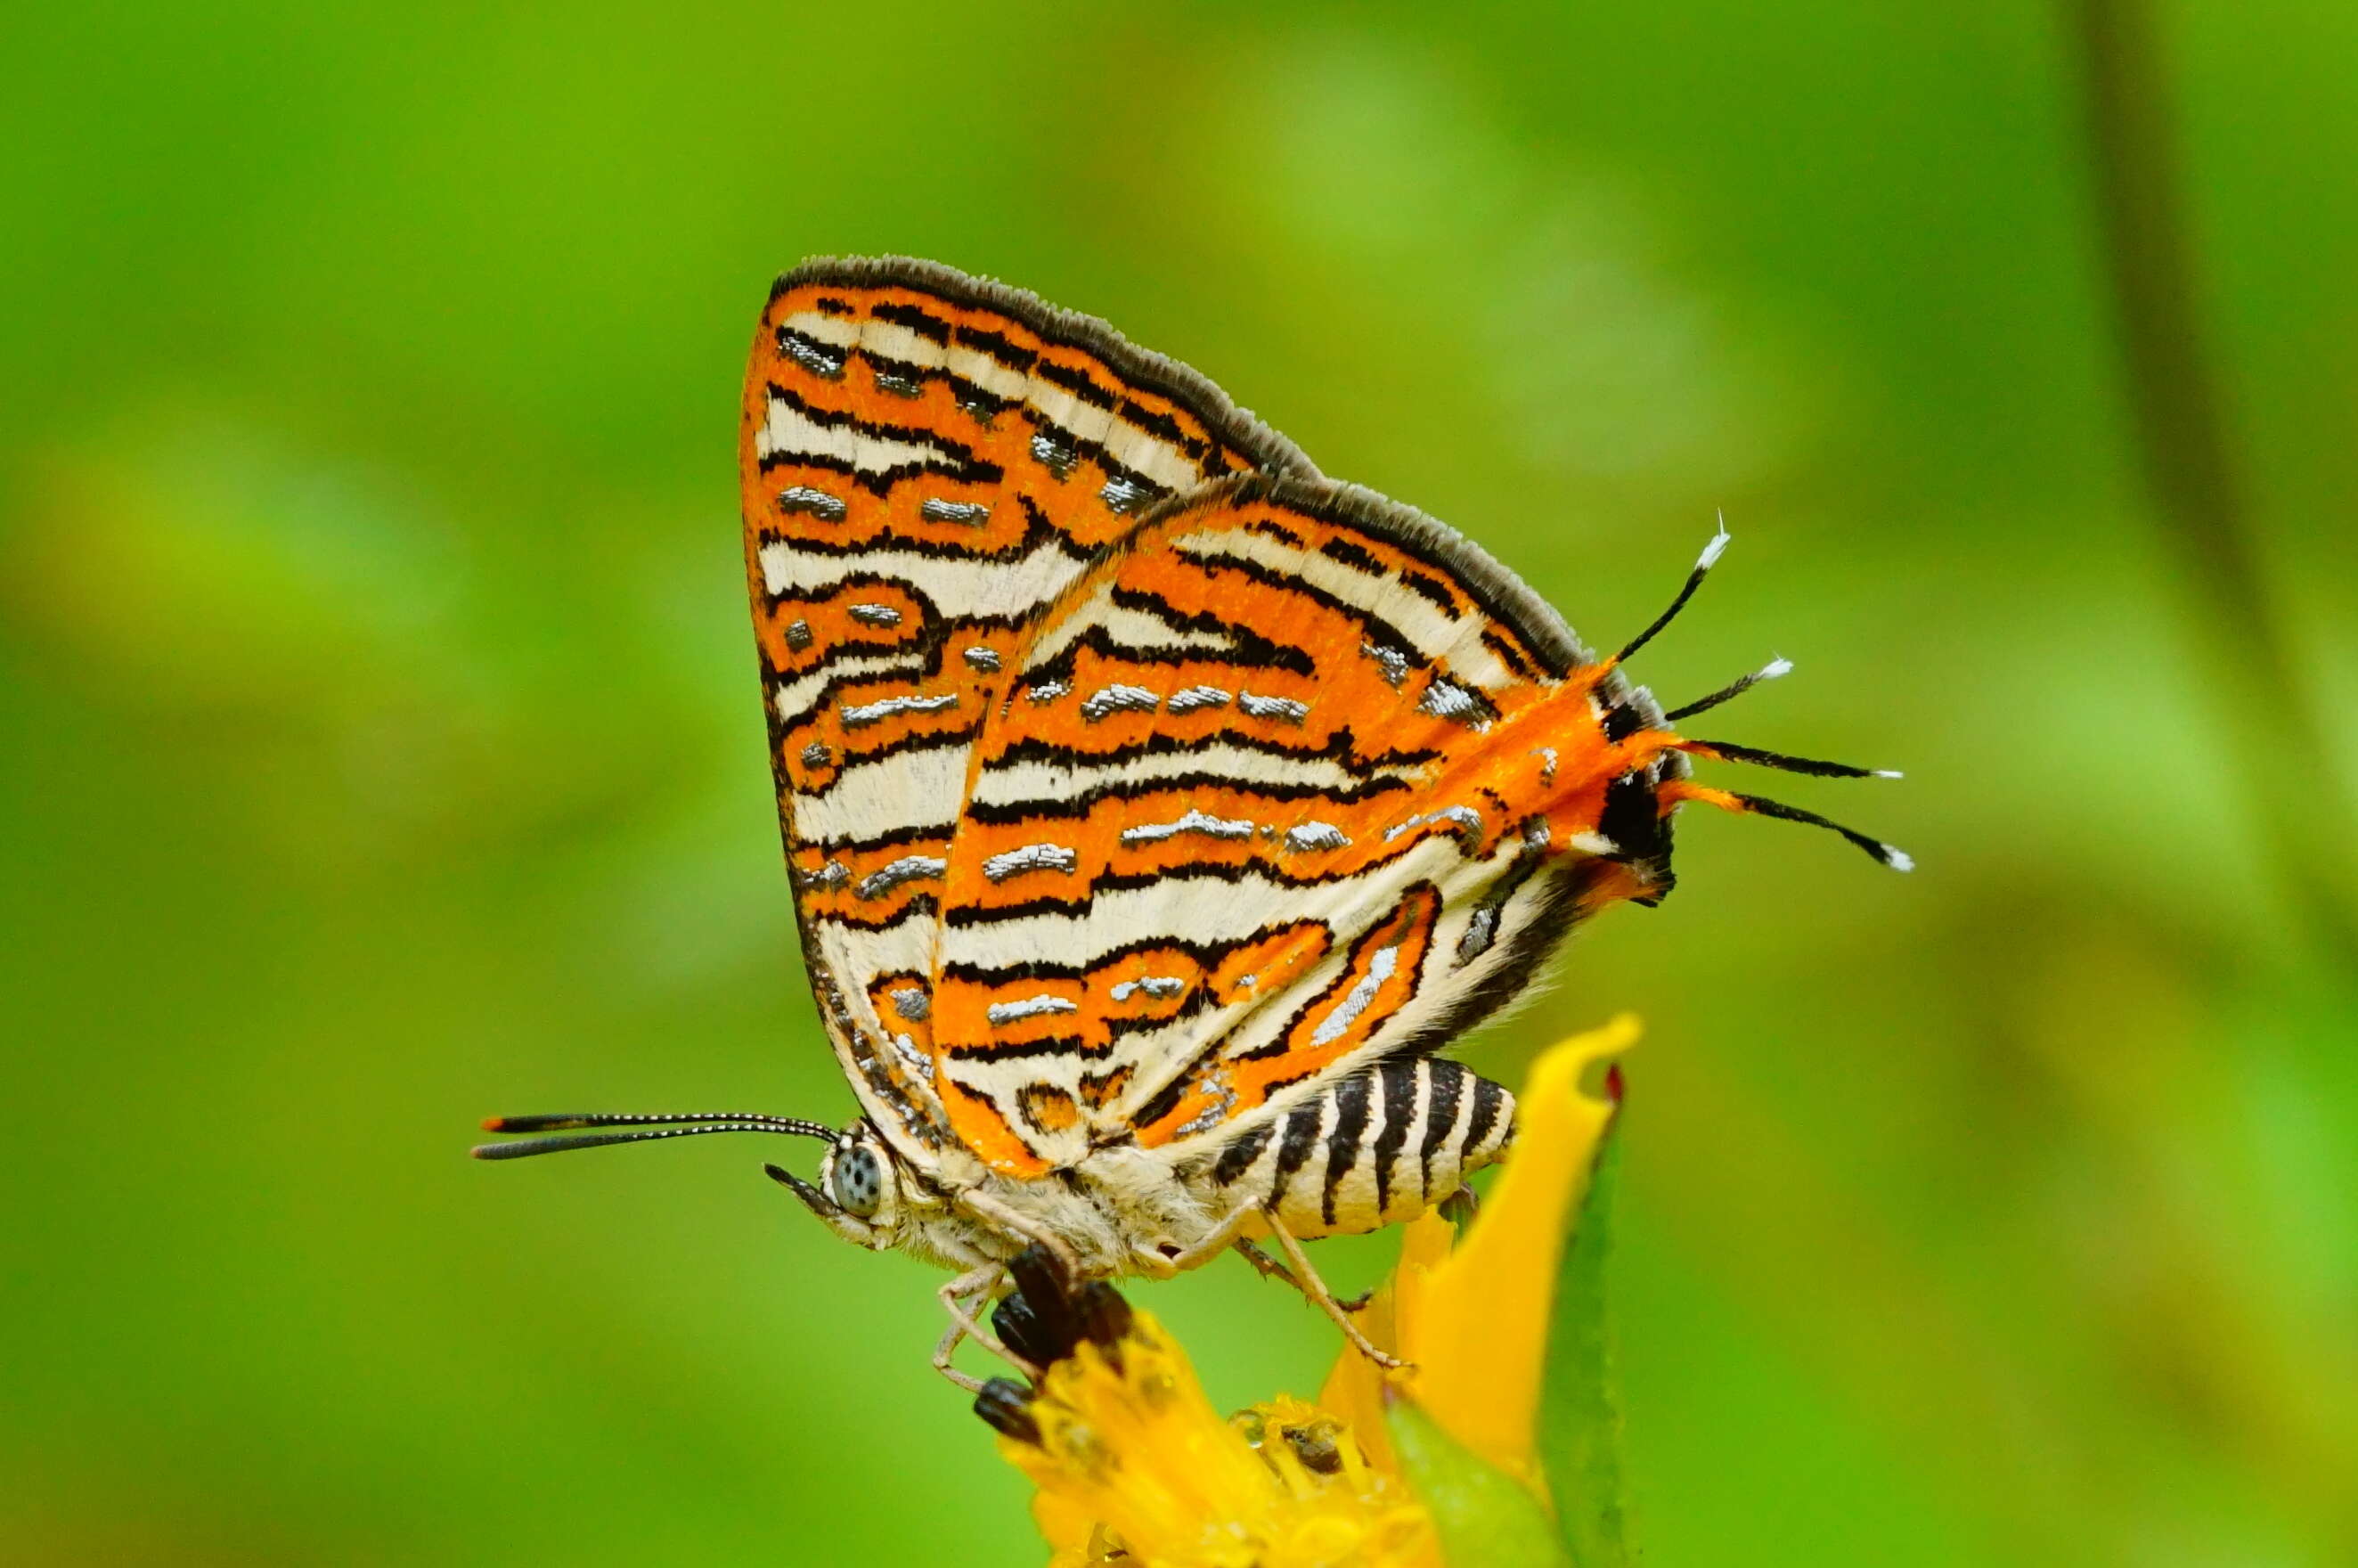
{"points": [[1194, 822], [875, 712], [1195, 696], [1467, 820], [1053, 450], [1124, 494], [1463, 705], [1003, 1013], [1161, 988], [1482, 925], [876, 615], [1224, 1101], [907, 869], [916, 1061], [1391, 661], [818, 502], [1118, 699], [1316, 836], [1356, 1001], [1030, 858], [984, 659], [1481, 930], [911, 1002], [822, 359], [1284, 710], [973, 513]]}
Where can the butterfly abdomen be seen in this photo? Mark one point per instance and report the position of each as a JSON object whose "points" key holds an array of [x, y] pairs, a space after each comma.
{"points": [[1377, 1148]]}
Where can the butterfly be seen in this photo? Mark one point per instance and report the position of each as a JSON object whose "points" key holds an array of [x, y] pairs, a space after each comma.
{"points": [[1155, 807]]}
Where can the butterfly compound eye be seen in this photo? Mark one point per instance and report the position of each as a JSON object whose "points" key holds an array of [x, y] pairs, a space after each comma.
{"points": [[857, 1180]]}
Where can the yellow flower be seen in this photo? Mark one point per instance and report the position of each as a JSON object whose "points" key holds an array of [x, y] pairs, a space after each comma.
{"points": [[1133, 1467]]}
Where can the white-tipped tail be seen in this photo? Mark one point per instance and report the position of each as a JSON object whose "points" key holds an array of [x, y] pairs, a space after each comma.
{"points": [[1716, 548], [1898, 858], [1884, 774], [1779, 666]]}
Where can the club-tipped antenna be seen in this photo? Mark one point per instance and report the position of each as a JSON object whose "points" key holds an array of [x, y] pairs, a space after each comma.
{"points": [[1729, 751], [1704, 563], [681, 1126], [1738, 687]]}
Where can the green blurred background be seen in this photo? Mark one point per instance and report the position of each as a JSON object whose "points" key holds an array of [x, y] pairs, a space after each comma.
{"points": [[382, 747]]}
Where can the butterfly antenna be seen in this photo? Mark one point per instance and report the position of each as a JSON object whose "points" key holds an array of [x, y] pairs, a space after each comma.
{"points": [[1738, 687], [1704, 563], [647, 1129], [1677, 790]]}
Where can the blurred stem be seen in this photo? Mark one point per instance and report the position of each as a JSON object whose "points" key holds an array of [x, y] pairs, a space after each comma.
{"points": [[2191, 469]]}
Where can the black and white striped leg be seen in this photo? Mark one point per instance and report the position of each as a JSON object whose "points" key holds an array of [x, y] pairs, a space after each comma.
{"points": [[1306, 1277]]}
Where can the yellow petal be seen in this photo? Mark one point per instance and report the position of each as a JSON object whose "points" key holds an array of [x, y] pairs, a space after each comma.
{"points": [[1476, 1325]]}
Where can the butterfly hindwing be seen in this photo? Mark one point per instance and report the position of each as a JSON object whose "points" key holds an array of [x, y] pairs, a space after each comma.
{"points": [[1292, 780], [927, 460]]}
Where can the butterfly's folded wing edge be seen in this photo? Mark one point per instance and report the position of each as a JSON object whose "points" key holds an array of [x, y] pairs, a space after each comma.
{"points": [[1270, 449]]}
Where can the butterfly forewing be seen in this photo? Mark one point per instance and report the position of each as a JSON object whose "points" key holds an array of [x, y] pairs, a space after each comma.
{"points": [[926, 461], [1292, 780]]}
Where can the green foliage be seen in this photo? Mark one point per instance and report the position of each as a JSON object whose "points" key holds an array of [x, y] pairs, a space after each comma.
{"points": [[1580, 1425], [1484, 1516]]}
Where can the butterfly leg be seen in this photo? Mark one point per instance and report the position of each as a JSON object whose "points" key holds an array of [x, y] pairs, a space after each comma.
{"points": [[943, 1351], [1268, 1267], [1306, 1277], [1226, 1234], [964, 1325]]}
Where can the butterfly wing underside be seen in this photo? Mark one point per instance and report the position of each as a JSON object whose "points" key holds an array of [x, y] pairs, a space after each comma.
{"points": [[927, 460], [1292, 780]]}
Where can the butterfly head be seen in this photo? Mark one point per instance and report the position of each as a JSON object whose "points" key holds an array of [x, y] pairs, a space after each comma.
{"points": [[858, 1195]]}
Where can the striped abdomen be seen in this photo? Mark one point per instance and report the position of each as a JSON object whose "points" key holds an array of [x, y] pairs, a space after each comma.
{"points": [[1377, 1148]]}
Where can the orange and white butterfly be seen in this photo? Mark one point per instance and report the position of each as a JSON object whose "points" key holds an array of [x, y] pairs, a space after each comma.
{"points": [[1155, 807]]}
